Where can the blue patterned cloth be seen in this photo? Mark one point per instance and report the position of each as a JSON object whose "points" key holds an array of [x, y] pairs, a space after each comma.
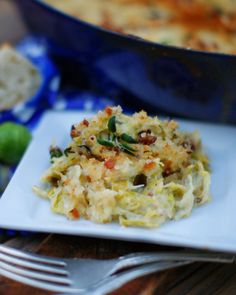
{"points": [[74, 99], [49, 96]]}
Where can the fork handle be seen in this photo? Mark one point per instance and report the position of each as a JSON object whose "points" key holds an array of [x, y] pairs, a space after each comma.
{"points": [[116, 281], [135, 259]]}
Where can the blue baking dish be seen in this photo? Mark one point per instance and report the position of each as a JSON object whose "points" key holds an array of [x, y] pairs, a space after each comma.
{"points": [[173, 80]]}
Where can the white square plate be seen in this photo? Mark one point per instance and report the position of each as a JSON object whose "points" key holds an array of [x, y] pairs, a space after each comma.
{"points": [[211, 226]]}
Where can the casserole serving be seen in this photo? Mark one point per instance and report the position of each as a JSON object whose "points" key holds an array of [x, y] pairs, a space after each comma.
{"points": [[170, 79], [197, 24], [137, 170]]}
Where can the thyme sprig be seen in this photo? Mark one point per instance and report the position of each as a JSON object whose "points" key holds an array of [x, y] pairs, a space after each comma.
{"points": [[105, 142], [55, 152], [127, 147], [112, 124], [118, 141], [127, 138], [67, 151]]}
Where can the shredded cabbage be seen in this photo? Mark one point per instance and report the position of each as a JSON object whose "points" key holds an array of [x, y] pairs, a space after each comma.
{"points": [[162, 177]]}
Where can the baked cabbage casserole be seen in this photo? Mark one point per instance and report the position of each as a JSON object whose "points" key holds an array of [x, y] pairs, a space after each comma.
{"points": [[137, 170], [195, 24]]}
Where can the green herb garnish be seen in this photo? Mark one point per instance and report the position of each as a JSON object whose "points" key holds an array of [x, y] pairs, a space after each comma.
{"points": [[127, 147], [127, 152], [112, 124], [105, 142], [85, 147], [68, 151], [114, 140], [55, 152], [127, 138]]}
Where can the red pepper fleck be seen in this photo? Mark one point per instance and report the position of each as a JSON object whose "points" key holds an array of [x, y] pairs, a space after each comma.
{"points": [[149, 165], [86, 122], [108, 110], [75, 213], [110, 164]]}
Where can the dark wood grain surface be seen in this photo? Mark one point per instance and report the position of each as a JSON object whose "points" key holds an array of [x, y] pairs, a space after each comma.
{"points": [[195, 279]]}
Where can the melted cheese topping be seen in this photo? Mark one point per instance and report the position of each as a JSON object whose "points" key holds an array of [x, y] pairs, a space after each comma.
{"points": [[197, 24]]}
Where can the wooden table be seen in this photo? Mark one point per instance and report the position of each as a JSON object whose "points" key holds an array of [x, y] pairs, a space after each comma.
{"points": [[195, 279]]}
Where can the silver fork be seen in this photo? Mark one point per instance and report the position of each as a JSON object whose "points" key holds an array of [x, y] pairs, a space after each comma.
{"points": [[107, 284], [115, 281], [77, 275]]}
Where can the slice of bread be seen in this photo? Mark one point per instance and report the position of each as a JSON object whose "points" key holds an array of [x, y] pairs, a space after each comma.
{"points": [[19, 79]]}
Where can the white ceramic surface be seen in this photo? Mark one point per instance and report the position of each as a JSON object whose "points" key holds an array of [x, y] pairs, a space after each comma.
{"points": [[211, 226]]}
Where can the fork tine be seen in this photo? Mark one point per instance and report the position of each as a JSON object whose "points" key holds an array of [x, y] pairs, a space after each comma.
{"points": [[32, 265], [38, 284], [32, 257], [35, 274]]}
